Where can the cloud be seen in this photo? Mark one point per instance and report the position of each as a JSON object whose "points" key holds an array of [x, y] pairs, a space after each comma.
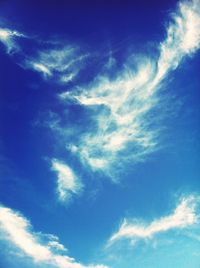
{"points": [[184, 215], [61, 62], [41, 68], [119, 120], [183, 38], [54, 244], [51, 59], [7, 37], [67, 182], [17, 231], [122, 108]]}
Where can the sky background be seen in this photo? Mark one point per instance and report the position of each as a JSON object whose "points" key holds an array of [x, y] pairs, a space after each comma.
{"points": [[99, 134]]}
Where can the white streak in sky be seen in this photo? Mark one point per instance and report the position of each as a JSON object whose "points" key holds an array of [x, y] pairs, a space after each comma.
{"points": [[17, 231], [63, 63], [41, 68], [7, 37], [184, 215], [122, 125], [121, 108], [67, 182]]}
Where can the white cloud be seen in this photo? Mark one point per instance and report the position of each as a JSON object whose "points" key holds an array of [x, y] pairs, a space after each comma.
{"points": [[120, 107], [63, 63], [42, 68], [183, 38], [7, 37], [56, 245], [17, 230], [67, 182], [122, 124], [184, 215]]}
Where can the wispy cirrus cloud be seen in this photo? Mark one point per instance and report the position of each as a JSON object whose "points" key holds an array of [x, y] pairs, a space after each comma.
{"points": [[121, 107], [118, 122], [63, 63], [68, 183], [17, 231], [8, 38], [185, 215], [41, 68]]}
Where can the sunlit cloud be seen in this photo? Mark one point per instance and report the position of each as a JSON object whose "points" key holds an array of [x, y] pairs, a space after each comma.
{"points": [[7, 37], [17, 231], [68, 183], [119, 122], [63, 63], [184, 215], [41, 68], [121, 107], [183, 38], [60, 62]]}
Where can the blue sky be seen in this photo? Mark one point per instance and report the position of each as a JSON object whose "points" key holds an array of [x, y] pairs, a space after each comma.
{"points": [[99, 134]]}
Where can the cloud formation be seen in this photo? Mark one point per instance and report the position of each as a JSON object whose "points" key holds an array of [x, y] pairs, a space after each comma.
{"points": [[184, 215], [67, 182], [61, 62], [17, 231], [57, 61], [121, 107], [7, 37]]}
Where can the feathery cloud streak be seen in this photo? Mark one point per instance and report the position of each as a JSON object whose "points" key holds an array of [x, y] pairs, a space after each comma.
{"points": [[122, 123], [121, 107], [67, 182], [7, 37], [57, 61], [63, 63], [17, 230], [184, 215]]}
